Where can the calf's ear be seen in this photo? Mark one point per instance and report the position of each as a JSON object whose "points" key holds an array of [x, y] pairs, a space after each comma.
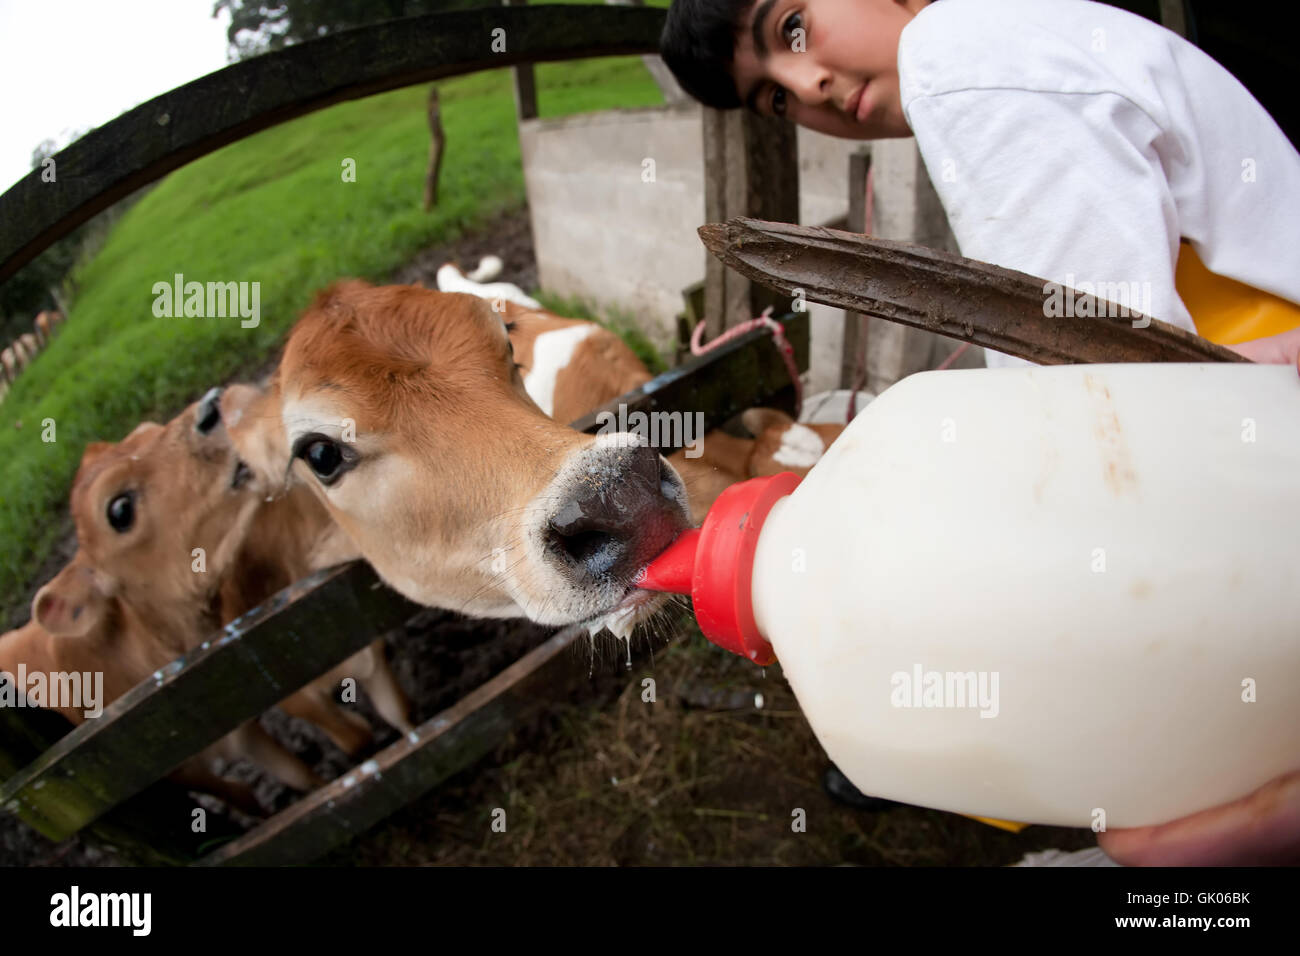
{"points": [[93, 452], [69, 605]]}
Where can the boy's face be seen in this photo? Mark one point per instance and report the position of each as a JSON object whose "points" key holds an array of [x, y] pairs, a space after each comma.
{"points": [[830, 65]]}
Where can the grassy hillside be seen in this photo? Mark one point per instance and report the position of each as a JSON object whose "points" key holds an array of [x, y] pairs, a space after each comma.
{"points": [[272, 209]]}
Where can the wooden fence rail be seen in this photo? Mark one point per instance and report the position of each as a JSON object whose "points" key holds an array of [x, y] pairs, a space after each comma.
{"points": [[942, 292], [250, 666], [190, 121]]}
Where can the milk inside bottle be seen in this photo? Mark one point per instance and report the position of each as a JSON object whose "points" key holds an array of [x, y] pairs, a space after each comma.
{"points": [[1061, 595]]}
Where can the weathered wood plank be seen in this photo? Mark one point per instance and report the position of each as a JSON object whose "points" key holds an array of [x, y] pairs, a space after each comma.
{"points": [[153, 828], [751, 168], [190, 121], [949, 294], [198, 698], [406, 770]]}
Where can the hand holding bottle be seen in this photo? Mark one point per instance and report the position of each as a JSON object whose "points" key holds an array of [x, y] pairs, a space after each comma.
{"points": [[1260, 829]]}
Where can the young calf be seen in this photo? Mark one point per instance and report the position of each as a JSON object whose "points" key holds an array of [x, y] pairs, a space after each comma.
{"points": [[404, 412], [131, 599]]}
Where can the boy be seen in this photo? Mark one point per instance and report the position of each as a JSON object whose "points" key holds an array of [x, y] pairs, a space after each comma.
{"points": [[1066, 139], [1072, 141]]}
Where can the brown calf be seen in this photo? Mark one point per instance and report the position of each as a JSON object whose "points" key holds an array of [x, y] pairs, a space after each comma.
{"points": [[405, 413], [159, 518]]}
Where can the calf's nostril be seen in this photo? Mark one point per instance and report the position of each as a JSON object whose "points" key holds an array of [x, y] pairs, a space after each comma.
{"points": [[626, 510], [591, 533], [595, 550]]}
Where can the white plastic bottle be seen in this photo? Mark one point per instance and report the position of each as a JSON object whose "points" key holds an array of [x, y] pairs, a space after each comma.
{"points": [[1065, 595]]}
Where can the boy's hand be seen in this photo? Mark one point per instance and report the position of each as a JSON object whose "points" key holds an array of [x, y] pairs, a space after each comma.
{"points": [[1281, 349], [1261, 829]]}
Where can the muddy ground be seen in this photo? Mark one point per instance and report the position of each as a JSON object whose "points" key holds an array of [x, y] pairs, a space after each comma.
{"points": [[713, 771]]}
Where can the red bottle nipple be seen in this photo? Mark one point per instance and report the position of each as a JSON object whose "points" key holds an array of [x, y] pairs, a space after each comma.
{"points": [[714, 564]]}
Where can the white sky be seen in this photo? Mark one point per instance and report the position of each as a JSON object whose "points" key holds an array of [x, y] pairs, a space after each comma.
{"points": [[68, 65]]}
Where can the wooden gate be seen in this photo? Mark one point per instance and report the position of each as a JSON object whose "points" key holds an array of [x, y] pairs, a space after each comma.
{"points": [[105, 777]]}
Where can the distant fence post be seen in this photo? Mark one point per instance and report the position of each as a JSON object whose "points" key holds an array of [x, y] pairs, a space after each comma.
{"points": [[437, 145], [525, 81]]}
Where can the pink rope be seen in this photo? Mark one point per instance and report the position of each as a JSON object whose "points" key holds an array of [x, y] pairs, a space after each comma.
{"points": [[956, 354], [778, 338]]}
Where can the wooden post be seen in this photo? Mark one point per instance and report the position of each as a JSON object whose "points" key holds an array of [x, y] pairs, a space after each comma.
{"points": [[853, 356], [751, 168], [525, 82], [437, 143]]}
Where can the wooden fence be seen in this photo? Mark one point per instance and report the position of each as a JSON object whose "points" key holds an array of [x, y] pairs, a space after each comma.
{"points": [[104, 776]]}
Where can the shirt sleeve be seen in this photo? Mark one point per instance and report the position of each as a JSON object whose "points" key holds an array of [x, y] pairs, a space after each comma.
{"points": [[1069, 187]]}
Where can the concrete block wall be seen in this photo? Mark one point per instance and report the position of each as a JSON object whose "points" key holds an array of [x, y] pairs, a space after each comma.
{"points": [[616, 196]]}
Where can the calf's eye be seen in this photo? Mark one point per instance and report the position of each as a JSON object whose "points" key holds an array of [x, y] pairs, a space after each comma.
{"points": [[121, 512], [323, 456]]}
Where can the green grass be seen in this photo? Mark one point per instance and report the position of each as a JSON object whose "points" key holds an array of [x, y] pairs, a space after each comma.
{"points": [[272, 209]]}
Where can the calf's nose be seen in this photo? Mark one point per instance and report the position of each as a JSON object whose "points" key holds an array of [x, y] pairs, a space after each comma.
{"points": [[623, 511]]}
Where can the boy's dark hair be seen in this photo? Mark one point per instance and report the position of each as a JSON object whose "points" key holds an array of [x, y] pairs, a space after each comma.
{"points": [[699, 45]]}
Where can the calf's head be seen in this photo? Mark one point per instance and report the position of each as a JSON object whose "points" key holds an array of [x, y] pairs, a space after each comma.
{"points": [[404, 410], [143, 509]]}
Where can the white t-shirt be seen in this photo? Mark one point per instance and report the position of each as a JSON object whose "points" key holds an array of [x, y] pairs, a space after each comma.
{"points": [[1077, 142]]}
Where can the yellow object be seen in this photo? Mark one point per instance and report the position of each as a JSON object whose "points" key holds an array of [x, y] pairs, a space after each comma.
{"points": [[1000, 824], [1225, 311]]}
